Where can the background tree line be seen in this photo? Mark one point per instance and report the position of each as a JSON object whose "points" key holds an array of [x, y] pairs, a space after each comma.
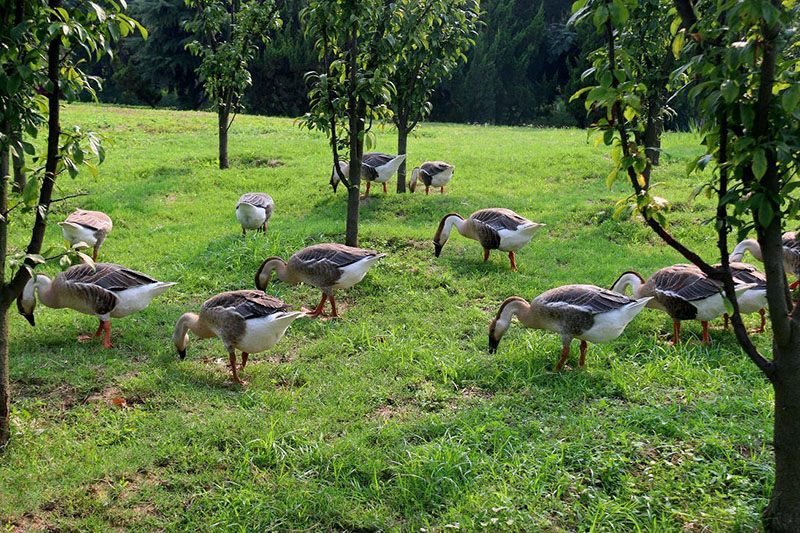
{"points": [[525, 64]]}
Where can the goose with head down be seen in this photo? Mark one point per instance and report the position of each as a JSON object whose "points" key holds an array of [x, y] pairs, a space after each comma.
{"points": [[375, 166], [791, 254], [495, 228], [248, 321], [432, 174], [683, 292], [88, 227], [327, 266], [585, 312], [755, 299], [253, 210], [105, 290]]}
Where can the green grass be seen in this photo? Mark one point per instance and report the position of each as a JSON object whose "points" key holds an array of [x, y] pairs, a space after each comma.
{"points": [[394, 417]]}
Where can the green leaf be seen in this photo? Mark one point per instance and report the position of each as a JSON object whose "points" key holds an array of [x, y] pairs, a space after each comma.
{"points": [[728, 305], [729, 91], [612, 177], [791, 97], [677, 43], [759, 163]]}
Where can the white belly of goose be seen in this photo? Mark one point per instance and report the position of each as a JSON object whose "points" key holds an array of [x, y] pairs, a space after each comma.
{"points": [[709, 308], [513, 240], [250, 216], [608, 326], [75, 233], [353, 273], [442, 178], [134, 300], [264, 332], [752, 301]]}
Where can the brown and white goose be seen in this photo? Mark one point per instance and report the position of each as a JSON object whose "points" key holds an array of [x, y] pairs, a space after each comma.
{"points": [[248, 321], [683, 292], [495, 228], [326, 266], [105, 290], [791, 253], [88, 227], [755, 299], [585, 312], [375, 166], [432, 174], [254, 210]]}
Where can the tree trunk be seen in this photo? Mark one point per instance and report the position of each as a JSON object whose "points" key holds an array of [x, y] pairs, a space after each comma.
{"points": [[222, 114], [653, 129], [783, 512], [20, 178], [5, 384], [402, 147], [354, 111]]}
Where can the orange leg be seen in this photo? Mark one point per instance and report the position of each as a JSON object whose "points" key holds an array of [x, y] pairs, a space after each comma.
{"points": [[564, 355], [582, 360], [763, 314], [107, 337], [236, 377], [86, 337], [264, 226], [319, 309], [94, 254], [384, 188], [676, 332], [485, 255], [442, 190], [725, 318], [427, 190], [794, 285], [245, 355], [513, 261], [706, 338], [333, 307], [369, 183]]}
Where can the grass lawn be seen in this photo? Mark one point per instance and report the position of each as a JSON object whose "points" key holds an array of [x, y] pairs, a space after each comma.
{"points": [[394, 417]]}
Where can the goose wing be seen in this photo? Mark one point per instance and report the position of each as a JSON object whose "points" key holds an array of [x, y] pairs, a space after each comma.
{"points": [[258, 199], [375, 159], [575, 306], [322, 263], [246, 304], [499, 218], [747, 273], [94, 220], [791, 250], [109, 276], [685, 282], [432, 168], [79, 284]]}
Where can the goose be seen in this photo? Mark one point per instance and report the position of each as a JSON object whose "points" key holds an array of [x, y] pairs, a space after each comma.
{"points": [[754, 300], [432, 173], [683, 292], [791, 253], [248, 321], [327, 266], [586, 312], [254, 210], [375, 166], [88, 227], [106, 290], [495, 228]]}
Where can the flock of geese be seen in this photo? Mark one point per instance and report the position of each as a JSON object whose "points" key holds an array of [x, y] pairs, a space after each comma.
{"points": [[252, 321]]}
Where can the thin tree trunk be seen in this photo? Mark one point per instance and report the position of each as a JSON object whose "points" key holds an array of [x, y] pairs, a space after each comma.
{"points": [[653, 129], [222, 114], [402, 147], [5, 383], [20, 178], [356, 145]]}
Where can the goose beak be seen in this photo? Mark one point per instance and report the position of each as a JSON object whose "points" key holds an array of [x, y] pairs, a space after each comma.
{"points": [[493, 344], [437, 248], [182, 354], [334, 184], [30, 319]]}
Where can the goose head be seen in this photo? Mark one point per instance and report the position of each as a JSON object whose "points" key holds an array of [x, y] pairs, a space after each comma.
{"points": [[502, 320], [443, 232], [180, 335], [345, 169], [264, 274], [26, 301], [412, 185]]}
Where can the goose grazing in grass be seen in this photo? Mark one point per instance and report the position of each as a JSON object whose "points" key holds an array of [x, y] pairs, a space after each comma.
{"points": [[88, 227], [105, 290], [755, 299], [375, 166], [495, 228], [326, 266], [248, 321], [254, 210], [584, 312], [432, 174], [683, 292], [791, 253]]}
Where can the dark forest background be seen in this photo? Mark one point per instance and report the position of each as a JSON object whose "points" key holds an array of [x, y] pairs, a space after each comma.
{"points": [[525, 64]]}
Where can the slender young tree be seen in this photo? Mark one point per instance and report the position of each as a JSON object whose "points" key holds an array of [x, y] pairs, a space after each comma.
{"points": [[739, 61], [356, 42], [40, 66], [230, 33], [434, 37]]}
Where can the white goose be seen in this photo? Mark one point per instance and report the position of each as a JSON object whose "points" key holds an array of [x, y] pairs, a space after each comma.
{"points": [[253, 210], [432, 174], [495, 228], [791, 253], [249, 321], [585, 312], [327, 266], [88, 227], [105, 290], [683, 292], [375, 166]]}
